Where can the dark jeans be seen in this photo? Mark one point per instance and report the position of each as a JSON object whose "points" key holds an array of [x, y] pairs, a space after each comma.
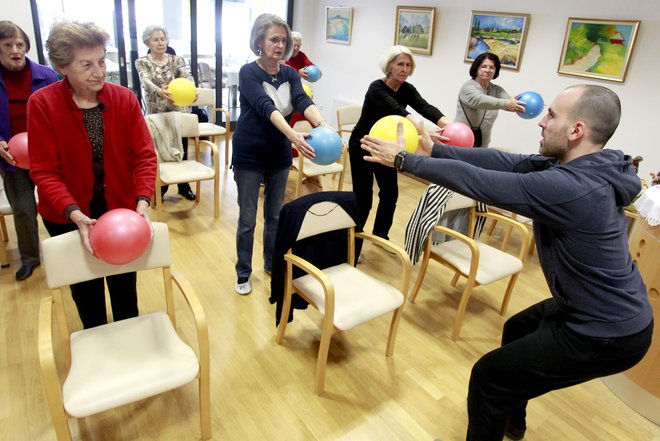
{"points": [[19, 189], [363, 173], [539, 353], [89, 296]]}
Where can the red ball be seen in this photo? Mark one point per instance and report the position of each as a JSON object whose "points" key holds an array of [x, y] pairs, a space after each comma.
{"points": [[120, 236], [459, 134], [18, 148]]}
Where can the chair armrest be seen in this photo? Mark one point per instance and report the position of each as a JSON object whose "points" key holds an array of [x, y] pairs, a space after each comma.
{"points": [[398, 251], [524, 231], [223, 110], [315, 272], [471, 243], [214, 154], [198, 313]]}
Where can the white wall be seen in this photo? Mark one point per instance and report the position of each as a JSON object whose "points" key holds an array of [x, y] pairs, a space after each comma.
{"points": [[20, 13], [348, 70]]}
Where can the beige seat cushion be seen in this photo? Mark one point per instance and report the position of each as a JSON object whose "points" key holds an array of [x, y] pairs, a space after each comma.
{"points": [[358, 296], [125, 361], [184, 171], [312, 169], [493, 263], [210, 129]]}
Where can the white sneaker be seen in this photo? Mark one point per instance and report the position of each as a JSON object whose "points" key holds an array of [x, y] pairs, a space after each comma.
{"points": [[243, 289]]}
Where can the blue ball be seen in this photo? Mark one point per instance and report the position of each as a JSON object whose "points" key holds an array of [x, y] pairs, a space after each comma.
{"points": [[533, 104], [313, 73], [327, 145]]}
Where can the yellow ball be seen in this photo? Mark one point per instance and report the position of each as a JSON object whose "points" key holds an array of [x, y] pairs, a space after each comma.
{"points": [[385, 128], [183, 91], [308, 91]]}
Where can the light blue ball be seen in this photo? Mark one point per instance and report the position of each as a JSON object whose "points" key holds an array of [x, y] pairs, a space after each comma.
{"points": [[533, 104], [327, 145], [313, 73]]}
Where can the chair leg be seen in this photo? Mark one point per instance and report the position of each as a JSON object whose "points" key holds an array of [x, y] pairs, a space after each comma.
{"points": [[505, 239], [454, 280], [3, 228], [4, 262], [491, 228], [284, 318], [532, 244], [394, 327], [50, 380], [460, 313], [507, 294], [205, 402], [420, 276], [322, 359]]}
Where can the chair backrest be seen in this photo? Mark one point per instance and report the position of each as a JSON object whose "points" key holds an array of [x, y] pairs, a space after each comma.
{"points": [[204, 71], [205, 97], [302, 126], [458, 201], [66, 261], [323, 217], [189, 125], [348, 116]]}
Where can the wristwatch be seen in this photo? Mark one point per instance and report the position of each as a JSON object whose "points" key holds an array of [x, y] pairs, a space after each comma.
{"points": [[399, 160]]}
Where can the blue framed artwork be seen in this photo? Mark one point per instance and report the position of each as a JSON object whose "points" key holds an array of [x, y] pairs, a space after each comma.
{"points": [[338, 24]]}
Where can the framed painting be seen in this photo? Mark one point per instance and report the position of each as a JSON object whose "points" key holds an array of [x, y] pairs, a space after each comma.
{"points": [[501, 33], [338, 24], [597, 48], [414, 28]]}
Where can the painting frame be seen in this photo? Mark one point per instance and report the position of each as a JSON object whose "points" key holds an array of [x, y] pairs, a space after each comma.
{"points": [[613, 64], [508, 47], [338, 24], [418, 42]]}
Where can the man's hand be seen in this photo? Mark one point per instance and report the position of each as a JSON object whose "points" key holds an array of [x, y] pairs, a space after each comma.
{"points": [[383, 152]]}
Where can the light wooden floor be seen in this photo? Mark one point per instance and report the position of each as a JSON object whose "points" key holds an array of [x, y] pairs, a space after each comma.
{"points": [[264, 391]]}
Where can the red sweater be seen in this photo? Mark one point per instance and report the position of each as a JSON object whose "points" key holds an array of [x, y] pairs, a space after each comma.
{"points": [[61, 153]]}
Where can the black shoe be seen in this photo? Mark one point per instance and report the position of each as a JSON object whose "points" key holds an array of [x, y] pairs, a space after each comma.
{"points": [[188, 194], [514, 434], [25, 271]]}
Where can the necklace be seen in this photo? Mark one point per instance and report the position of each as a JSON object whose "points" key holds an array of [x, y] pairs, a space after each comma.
{"points": [[272, 76]]}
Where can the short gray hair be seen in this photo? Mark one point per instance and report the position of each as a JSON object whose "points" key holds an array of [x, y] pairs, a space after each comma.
{"points": [[66, 36], [394, 52], [9, 29], [150, 30], [260, 28], [600, 108], [297, 36]]}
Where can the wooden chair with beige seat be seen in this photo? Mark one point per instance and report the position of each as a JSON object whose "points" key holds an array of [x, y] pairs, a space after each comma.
{"points": [[212, 130], [478, 262], [305, 168], [344, 295], [347, 117], [5, 210], [507, 232], [190, 170], [121, 362]]}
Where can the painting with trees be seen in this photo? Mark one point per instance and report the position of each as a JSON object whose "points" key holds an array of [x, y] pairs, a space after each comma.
{"points": [[501, 33], [598, 48]]}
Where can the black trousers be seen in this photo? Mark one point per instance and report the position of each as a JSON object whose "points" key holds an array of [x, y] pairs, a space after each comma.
{"points": [[363, 173], [89, 296], [539, 353]]}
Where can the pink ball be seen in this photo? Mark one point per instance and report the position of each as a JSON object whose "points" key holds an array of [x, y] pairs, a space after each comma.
{"points": [[459, 134], [120, 236], [18, 148]]}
